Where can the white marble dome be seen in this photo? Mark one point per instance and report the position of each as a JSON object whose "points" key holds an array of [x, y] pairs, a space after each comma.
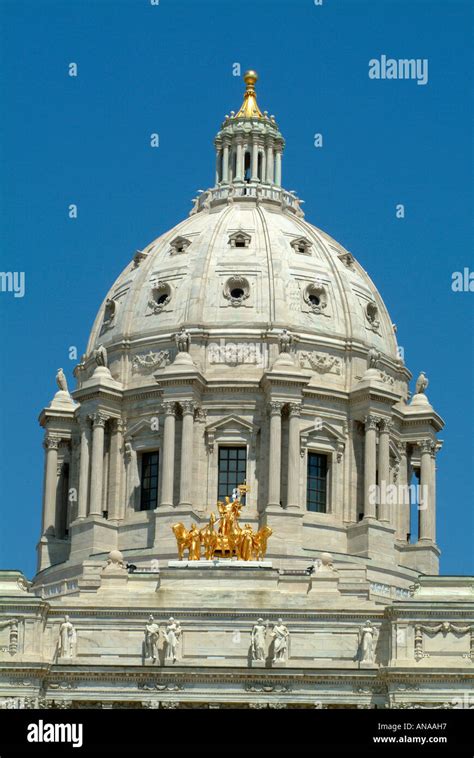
{"points": [[289, 274]]}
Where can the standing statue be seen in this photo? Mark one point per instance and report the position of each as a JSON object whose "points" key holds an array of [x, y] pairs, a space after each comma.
{"points": [[373, 357], [172, 636], [258, 641], [61, 380], [152, 635], [259, 193], [230, 194], [183, 340], [421, 384], [245, 551], [281, 638], [367, 648], [100, 356], [285, 341], [67, 639], [194, 538]]}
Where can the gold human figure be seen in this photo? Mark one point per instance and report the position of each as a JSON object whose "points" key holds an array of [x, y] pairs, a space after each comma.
{"points": [[194, 538]]}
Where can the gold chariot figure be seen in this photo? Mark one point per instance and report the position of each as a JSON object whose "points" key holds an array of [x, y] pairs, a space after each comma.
{"points": [[229, 540]]}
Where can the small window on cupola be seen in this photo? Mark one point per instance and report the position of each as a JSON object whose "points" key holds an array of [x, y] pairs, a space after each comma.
{"points": [[179, 245], [301, 245], [239, 239]]}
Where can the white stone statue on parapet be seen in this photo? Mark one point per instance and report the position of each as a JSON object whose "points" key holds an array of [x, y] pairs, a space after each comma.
{"points": [[152, 635], [367, 646], [67, 639], [281, 637], [172, 637], [258, 641]]}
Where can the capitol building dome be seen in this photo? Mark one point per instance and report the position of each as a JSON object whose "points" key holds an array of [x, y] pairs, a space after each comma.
{"points": [[244, 347]]}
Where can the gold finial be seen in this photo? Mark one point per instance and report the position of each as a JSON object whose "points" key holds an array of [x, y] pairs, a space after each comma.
{"points": [[249, 108]]}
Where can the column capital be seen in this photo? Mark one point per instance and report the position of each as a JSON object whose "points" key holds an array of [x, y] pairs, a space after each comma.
{"points": [[427, 446], [200, 414], [119, 425], [401, 446], [295, 409], [371, 421], [51, 442], [169, 407], [99, 419], [274, 407], [188, 406], [385, 424]]}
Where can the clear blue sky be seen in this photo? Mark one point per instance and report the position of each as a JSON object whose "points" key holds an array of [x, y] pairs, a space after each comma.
{"points": [[168, 69]]}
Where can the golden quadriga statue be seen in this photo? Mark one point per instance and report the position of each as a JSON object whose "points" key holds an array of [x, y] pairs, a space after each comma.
{"points": [[229, 540]]}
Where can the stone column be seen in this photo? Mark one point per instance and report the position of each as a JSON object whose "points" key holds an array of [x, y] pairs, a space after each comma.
{"points": [[51, 445], [269, 164], [384, 468], [84, 468], [187, 449], [225, 163], [97, 467], [167, 464], [403, 501], [254, 176], [114, 495], [274, 455], [239, 174], [370, 466], [278, 168], [218, 163], [426, 474], [293, 475], [433, 493]]}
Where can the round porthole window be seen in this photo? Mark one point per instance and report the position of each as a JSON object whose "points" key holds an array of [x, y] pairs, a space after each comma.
{"points": [[315, 296], [160, 297], [236, 290]]}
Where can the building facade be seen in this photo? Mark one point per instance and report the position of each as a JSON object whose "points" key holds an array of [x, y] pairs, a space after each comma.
{"points": [[244, 346]]}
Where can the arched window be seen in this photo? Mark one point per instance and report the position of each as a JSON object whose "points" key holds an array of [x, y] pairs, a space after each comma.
{"points": [[259, 166]]}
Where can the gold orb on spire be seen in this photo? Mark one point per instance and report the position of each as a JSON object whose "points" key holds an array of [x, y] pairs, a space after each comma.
{"points": [[249, 108], [250, 78]]}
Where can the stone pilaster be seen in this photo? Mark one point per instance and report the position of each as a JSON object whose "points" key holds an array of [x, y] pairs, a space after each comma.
{"points": [[167, 465], [293, 474], [274, 457], [116, 475], [187, 450], [370, 452]]}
